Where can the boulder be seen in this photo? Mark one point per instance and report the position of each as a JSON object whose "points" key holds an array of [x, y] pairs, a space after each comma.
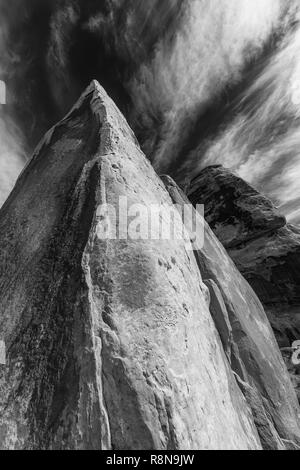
{"points": [[234, 210], [110, 343]]}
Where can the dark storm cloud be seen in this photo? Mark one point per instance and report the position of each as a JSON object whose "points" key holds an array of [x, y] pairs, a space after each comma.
{"points": [[51, 49], [200, 81]]}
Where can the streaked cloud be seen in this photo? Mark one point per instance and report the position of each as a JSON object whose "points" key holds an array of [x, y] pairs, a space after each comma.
{"points": [[12, 157], [201, 82]]}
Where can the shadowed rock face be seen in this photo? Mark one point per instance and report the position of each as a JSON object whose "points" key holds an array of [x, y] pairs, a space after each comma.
{"points": [[254, 354], [264, 247], [235, 211], [110, 343]]}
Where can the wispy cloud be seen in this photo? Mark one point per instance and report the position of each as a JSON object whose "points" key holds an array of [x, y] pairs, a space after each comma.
{"points": [[12, 156], [215, 41], [201, 82], [260, 138]]}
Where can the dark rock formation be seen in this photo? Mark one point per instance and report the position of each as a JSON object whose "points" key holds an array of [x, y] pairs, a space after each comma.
{"points": [[271, 264], [264, 247], [255, 357], [110, 343], [235, 211]]}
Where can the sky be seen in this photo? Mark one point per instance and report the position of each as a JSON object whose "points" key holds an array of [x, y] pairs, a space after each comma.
{"points": [[200, 81]]}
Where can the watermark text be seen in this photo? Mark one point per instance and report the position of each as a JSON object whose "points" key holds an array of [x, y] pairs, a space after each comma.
{"points": [[2, 92], [166, 222]]}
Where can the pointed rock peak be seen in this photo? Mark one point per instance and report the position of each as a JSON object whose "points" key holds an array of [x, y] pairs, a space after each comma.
{"points": [[93, 94], [105, 111], [89, 323], [93, 127], [97, 98], [95, 106], [110, 343]]}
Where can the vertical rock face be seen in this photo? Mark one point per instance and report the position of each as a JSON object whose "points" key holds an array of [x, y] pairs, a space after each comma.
{"points": [[254, 354], [264, 247], [110, 343]]}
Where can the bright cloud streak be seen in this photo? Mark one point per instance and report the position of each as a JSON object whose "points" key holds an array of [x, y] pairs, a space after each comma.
{"points": [[12, 157], [262, 139], [209, 52]]}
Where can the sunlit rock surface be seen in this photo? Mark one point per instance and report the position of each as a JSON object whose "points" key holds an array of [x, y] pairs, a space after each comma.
{"points": [[263, 246], [110, 343]]}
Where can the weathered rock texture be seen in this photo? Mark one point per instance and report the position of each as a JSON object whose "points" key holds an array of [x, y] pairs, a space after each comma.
{"points": [[235, 211], [263, 246], [110, 343], [254, 354], [123, 343]]}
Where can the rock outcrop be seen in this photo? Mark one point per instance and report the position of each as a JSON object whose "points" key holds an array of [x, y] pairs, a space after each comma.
{"points": [[263, 246], [110, 341], [235, 211], [254, 354]]}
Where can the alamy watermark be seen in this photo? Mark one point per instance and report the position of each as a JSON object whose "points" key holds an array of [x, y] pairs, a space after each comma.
{"points": [[125, 221], [293, 353], [296, 353], [2, 353], [2, 92]]}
